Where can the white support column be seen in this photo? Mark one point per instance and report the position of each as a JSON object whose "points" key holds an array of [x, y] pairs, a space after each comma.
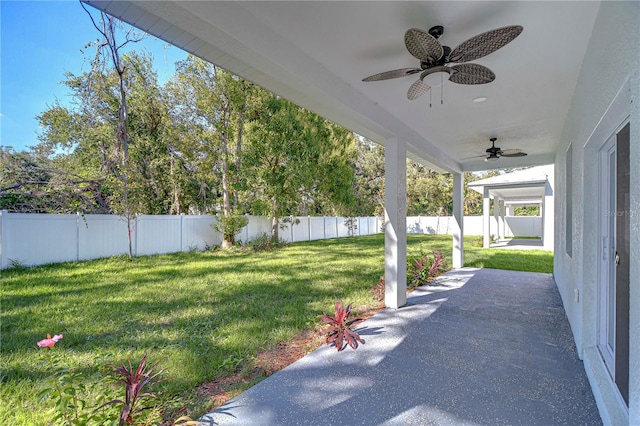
{"points": [[486, 219], [547, 212], [457, 256], [503, 223], [395, 230], [496, 211]]}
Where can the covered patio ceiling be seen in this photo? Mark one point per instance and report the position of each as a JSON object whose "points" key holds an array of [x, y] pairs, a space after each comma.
{"points": [[316, 54]]}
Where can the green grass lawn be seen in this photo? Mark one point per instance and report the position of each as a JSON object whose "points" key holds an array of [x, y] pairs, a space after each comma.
{"points": [[201, 315]]}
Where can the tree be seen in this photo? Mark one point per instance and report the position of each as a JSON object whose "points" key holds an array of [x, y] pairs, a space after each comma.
{"points": [[110, 47], [368, 168], [211, 106], [292, 157], [428, 193]]}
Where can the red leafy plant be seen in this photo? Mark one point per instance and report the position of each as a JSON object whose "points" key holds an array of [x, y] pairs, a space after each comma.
{"points": [[437, 265], [340, 328], [135, 380], [378, 290], [418, 271]]}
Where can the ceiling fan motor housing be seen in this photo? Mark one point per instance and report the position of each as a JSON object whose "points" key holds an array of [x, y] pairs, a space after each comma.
{"points": [[436, 31]]}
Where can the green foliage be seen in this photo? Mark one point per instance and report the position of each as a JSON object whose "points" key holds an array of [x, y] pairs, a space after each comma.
{"points": [[229, 226], [526, 211], [76, 395], [265, 242], [428, 192], [296, 159], [368, 168], [423, 268], [17, 264]]}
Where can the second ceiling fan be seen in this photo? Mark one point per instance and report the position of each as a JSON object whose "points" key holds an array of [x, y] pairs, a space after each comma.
{"points": [[435, 58]]}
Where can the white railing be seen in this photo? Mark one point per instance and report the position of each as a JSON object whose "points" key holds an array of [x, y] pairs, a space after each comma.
{"points": [[36, 239]]}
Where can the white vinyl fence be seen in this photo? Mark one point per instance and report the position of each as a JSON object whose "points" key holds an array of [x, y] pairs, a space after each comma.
{"points": [[36, 239], [521, 226]]}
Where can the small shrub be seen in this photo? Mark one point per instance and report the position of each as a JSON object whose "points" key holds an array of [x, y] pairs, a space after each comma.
{"points": [[340, 328], [352, 225], [17, 264], [417, 271], [437, 266], [135, 380], [378, 290], [70, 390], [265, 242], [229, 226]]}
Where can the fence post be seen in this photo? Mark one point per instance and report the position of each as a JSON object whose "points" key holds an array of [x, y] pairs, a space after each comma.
{"points": [[77, 236], [324, 228], [135, 240], [337, 232], [309, 227], [181, 231], [291, 229], [246, 240], [4, 253]]}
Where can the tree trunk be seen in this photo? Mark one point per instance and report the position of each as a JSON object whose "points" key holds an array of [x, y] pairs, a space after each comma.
{"points": [[226, 205], [239, 151], [275, 223]]}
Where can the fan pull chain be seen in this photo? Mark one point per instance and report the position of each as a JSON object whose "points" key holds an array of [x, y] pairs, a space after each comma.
{"points": [[441, 89], [430, 97]]}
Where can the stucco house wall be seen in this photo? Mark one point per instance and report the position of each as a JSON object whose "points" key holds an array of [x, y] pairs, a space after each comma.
{"points": [[608, 88]]}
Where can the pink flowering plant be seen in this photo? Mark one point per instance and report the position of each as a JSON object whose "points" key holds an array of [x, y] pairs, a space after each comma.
{"points": [[70, 390], [49, 342]]}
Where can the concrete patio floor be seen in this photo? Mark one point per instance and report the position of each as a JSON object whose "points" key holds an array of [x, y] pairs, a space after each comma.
{"points": [[483, 347]]}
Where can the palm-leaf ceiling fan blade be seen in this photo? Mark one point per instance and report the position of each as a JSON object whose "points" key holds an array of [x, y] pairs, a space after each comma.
{"points": [[473, 157], [512, 153], [471, 74], [417, 89], [402, 72], [423, 45], [484, 44]]}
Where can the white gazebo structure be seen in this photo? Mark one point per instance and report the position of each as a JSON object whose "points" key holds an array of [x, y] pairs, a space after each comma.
{"points": [[533, 186]]}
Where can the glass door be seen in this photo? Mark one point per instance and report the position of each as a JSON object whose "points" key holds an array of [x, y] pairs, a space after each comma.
{"points": [[613, 291]]}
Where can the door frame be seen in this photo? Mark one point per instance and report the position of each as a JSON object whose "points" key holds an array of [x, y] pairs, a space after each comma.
{"points": [[606, 252], [606, 301]]}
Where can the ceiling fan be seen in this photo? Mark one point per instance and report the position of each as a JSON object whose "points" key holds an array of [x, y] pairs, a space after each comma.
{"points": [[435, 58], [496, 152]]}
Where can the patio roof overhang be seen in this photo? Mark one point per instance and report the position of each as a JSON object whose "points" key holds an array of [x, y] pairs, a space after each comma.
{"points": [[316, 53]]}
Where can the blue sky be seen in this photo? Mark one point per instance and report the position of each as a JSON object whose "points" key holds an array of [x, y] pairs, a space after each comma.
{"points": [[40, 41]]}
